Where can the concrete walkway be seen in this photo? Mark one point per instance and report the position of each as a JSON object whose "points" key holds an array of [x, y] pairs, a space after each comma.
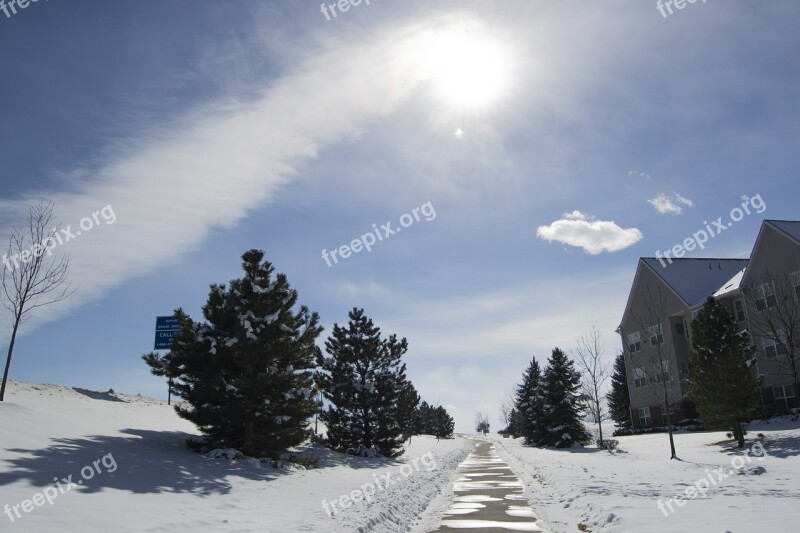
{"points": [[488, 497]]}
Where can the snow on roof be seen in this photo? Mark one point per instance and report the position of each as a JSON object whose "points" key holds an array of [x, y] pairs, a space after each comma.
{"points": [[694, 280], [790, 227], [731, 285]]}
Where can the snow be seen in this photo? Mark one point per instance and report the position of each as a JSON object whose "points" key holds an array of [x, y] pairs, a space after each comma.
{"points": [[158, 485], [718, 488], [731, 285]]}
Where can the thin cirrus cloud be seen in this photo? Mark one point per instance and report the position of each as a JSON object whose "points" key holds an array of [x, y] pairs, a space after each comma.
{"points": [[670, 204], [594, 236], [170, 190]]}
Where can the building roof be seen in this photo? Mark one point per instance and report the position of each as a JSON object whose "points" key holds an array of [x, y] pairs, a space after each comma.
{"points": [[694, 280], [734, 283], [789, 227]]}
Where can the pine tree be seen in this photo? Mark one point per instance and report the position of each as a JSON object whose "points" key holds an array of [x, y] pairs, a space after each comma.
{"points": [[407, 408], [561, 424], [363, 378], [159, 367], [443, 423], [619, 402], [528, 403], [422, 419], [722, 383], [246, 374]]}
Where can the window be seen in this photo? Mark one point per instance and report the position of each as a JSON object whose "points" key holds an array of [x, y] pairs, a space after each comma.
{"points": [[656, 333], [773, 348], [662, 371], [765, 296], [695, 313], [644, 417], [634, 342], [796, 283], [738, 310], [667, 415], [679, 329], [639, 378], [782, 394]]}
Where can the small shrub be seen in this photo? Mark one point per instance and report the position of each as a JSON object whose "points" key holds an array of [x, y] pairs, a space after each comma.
{"points": [[608, 444]]}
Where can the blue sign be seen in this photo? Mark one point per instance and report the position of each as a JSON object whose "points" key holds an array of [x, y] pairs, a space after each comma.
{"points": [[166, 328]]}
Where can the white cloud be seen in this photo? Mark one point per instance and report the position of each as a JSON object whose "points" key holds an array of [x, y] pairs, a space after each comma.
{"points": [[684, 200], [594, 236], [668, 205]]}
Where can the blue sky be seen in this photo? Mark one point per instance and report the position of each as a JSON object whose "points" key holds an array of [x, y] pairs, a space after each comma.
{"points": [[214, 127]]}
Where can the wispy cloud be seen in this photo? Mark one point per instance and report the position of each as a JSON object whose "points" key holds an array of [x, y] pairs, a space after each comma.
{"points": [[670, 205], [638, 174], [491, 357], [594, 236], [171, 189]]}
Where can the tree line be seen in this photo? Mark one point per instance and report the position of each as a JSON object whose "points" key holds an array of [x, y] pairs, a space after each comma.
{"points": [[548, 406], [251, 375]]}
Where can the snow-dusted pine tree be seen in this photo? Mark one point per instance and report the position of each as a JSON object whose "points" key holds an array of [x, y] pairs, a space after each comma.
{"points": [[561, 403], [363, 379], [721, 382], [246, 374], [443, 423], [528, 403]]}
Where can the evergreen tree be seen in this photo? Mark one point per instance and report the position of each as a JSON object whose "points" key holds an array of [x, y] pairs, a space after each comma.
{"points": [[159, 367], [422, 419], [246, 373], [528, 403], [363, 379], [443, 423], [561, 424], [619, 402], [721, 383], [407, 408], [513, 420]]}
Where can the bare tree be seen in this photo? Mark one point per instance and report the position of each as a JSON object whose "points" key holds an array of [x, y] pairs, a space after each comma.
{"points": [[773, 306], [32, 276], [481, 422], [653, 361], [594, 374], [507, 408]]}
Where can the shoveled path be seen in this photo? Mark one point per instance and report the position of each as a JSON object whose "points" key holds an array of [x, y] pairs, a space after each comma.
{"points": [[488, 496]]}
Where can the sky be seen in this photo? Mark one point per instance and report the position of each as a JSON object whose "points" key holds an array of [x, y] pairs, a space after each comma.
{"points": [[524, 153]]}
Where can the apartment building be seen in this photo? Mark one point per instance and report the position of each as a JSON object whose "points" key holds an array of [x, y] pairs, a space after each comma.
{"points": [[763, 293]]}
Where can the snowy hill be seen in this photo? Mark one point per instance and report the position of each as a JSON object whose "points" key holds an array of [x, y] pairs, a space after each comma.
{"points": [[130, 471]]}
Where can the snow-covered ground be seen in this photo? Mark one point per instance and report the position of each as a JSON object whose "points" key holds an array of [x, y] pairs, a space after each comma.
{"points": [[131, 472], [720, 488]]}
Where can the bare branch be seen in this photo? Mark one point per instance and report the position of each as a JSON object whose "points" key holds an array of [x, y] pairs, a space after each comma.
{"points": [[32, 277]]}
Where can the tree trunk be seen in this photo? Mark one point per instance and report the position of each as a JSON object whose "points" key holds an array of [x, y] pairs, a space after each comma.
{"points": [[738, 432], [8, 358]]}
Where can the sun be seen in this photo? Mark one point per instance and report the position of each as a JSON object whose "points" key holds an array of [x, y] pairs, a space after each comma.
{"points": [[466, 68]]}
